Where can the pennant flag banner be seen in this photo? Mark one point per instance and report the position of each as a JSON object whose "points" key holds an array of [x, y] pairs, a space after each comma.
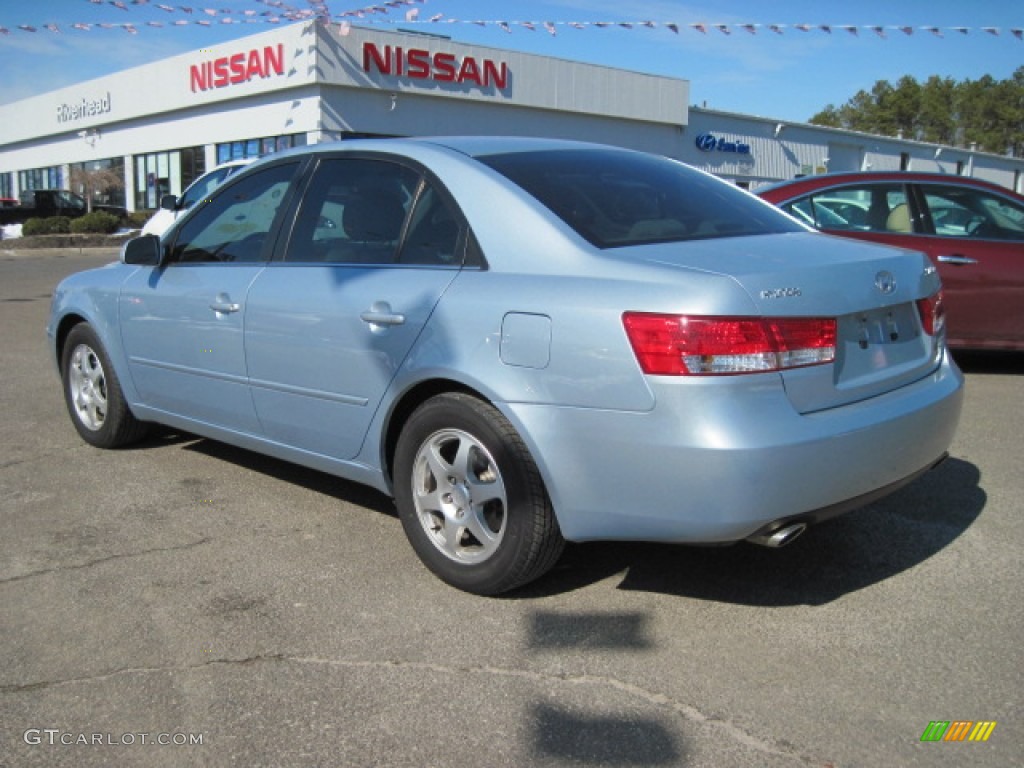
{"points": [[278, 11]]}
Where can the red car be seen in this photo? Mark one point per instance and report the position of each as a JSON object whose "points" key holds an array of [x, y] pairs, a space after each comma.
{"points": [[972, 230]]}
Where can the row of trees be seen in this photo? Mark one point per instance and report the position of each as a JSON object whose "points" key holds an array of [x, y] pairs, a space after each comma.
{"points": [[986, 111]]}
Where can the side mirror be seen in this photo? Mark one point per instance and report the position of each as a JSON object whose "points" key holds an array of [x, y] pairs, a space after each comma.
{"points": [[142, 251], [169, 202]]}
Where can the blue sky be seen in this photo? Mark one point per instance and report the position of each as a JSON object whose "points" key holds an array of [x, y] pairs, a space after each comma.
{"points": [[789, 76]]}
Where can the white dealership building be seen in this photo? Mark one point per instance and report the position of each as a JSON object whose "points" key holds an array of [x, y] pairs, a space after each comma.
{"points": [[161, 125]]}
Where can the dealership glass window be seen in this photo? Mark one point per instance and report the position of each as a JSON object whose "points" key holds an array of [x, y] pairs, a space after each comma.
{"points": [[102, 180], [41, 178], [239, 150], [166, 173], [7, 185]]}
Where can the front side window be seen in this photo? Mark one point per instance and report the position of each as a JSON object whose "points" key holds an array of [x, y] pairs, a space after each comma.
{"points": [[963, 212], [862, 208], [614, 198], [232, 226], [353, 212]]}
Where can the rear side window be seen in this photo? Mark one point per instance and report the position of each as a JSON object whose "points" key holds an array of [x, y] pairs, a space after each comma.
{"points": [[376, 212], [964, 212], [353, 212], [615, 198], [433, 235]]}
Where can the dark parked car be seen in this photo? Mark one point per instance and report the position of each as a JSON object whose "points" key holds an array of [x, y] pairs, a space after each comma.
{"points": [[972, 230]]}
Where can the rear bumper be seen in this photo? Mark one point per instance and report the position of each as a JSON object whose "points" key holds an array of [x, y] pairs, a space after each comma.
{"points": [[840, 508], [719, 460]]}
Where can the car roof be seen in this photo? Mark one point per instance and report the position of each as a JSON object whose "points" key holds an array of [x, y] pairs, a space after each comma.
{"points": [[478, 146], [471, 146]]}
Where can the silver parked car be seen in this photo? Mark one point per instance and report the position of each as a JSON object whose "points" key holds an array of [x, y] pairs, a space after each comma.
{"points": [[524, 342]]}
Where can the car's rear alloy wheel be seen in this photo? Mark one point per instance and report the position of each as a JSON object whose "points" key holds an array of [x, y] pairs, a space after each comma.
{"points": [[93, 394], [471, 499], [459, 496]]}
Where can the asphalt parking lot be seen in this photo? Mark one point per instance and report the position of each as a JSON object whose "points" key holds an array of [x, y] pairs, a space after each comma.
{"points": [[187, 603]]}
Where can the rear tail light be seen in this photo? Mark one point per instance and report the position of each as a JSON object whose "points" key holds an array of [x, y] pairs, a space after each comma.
{"points": [[933, 314], [683, 345]]}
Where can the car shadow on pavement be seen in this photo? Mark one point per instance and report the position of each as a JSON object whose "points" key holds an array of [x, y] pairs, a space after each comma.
{"points": [[310, 479], [591, 739], [599, 730], [990, 362], [830, 560]]}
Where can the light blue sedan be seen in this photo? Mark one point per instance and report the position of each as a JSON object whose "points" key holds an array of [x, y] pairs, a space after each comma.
{"points": [[523, 342]]}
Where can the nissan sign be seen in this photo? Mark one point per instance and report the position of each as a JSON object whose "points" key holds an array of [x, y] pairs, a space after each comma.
{"points": [[419, 64]]}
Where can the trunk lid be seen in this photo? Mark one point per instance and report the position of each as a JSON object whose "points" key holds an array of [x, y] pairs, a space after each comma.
{"points": [[871, 291]]}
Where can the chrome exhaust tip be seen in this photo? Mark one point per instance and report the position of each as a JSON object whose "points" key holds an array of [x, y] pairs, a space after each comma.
{"points": [[780, 537]]}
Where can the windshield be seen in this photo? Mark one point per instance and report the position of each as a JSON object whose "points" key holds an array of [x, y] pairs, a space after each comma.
{"points": [[614, 198]]}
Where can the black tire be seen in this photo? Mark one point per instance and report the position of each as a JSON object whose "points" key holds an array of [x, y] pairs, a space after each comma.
{"points": [[93, 394], [488, 526]]}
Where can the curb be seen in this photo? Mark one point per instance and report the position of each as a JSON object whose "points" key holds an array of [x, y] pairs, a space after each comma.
{"points": [[65, 241], [8, 253]]}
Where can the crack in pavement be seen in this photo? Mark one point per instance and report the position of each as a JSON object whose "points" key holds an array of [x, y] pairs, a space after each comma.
{"points": [[684, 711], [100, 561]]}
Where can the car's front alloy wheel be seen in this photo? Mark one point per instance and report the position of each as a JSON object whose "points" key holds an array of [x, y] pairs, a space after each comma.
{"points": [[93, 393], [87, 387], [471, 498]]}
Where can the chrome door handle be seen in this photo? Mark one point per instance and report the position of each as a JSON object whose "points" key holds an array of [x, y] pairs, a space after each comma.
{"points": [[382, 318], [224, 305], [957, 260], [380, 314]]}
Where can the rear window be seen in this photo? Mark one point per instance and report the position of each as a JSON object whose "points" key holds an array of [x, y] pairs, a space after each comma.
{"points": [[614, 198]]}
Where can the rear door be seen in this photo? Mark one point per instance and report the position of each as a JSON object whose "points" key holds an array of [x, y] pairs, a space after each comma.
{"points": [[373, 247], [976, 238]]}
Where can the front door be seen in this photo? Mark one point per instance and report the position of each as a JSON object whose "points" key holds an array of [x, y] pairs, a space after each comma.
{"points": [[182, 324]]}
